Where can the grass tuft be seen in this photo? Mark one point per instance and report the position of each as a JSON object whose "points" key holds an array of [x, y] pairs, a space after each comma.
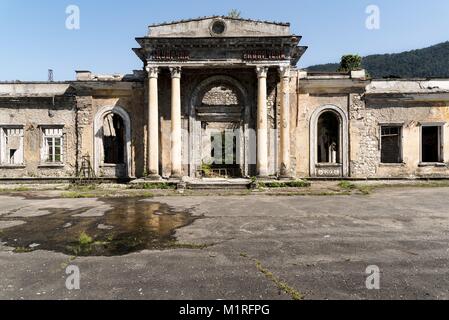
{"points": [[287, 184], [293, 293], [84, 239], [77, 195]]}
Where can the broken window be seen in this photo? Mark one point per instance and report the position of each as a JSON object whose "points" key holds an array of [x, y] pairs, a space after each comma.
{"points": [[12, 146], [329, 138], [53, 145], [391, 144], [113, 139], [431, 144]]}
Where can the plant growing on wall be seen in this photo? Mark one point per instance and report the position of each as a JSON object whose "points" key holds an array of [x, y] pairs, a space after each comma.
{"points": [[350, 62], [206, 169], [234, 13]]}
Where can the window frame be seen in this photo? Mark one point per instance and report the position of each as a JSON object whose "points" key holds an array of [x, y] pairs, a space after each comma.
{"points": [[4, 157], [45, 146], [401, 140], [440, 126]]}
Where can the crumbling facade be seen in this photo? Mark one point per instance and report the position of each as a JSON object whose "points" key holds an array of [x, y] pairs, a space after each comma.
{"points": [[220, 96]]}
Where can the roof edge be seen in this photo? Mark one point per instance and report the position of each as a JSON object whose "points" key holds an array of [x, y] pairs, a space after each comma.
{"points": [[285, 24]]}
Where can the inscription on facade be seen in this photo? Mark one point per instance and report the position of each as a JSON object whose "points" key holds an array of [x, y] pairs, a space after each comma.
{"points": [[263, 55], [170, 55]]}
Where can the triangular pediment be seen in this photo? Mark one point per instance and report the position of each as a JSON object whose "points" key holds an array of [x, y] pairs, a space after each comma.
{"points": [[218, 26]]}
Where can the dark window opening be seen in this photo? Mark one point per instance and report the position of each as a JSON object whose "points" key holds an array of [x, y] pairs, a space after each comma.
{"points": [[12, 154], [391, 145], [431, 144], [114, 140], [329, 138]]}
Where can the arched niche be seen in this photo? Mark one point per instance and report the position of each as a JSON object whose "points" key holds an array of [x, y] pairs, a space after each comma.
{"points": [[329, 142]]}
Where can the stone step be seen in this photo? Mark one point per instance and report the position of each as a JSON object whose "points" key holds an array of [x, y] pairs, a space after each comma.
{"points": [[226, 185]]}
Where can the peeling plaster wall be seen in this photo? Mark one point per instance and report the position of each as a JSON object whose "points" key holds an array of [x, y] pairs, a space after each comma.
{"points": [[399, 102], [411, 116], [303, 105], [132, 100], [30, 105], [363, 139], [32, 113]]}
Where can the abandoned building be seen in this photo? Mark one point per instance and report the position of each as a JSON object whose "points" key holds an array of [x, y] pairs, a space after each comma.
{"points": [[220, 96]]}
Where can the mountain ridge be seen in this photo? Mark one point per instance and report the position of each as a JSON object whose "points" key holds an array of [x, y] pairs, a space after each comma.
{"points": [[429, 62]]}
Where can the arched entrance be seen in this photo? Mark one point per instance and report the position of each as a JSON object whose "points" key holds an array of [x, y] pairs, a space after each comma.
{"points": [[112, 143], [219, 119], [329, 142]]}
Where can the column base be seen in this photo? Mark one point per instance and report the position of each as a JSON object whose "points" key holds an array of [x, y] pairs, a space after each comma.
{"points": [[154, 177], [175, 178]]}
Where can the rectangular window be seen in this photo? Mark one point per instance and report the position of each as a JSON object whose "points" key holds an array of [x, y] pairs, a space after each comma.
{"points": [[432, 144], [391, 144], [53, 146], [11, 141]]}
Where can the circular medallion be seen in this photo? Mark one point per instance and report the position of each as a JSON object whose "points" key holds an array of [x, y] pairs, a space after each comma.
{"points": [[218, 27]]}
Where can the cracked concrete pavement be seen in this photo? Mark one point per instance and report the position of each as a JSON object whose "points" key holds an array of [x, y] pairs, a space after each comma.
{"points": [[319, 246]]}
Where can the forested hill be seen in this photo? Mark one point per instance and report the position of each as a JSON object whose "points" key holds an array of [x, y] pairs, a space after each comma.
{"points": [[422, 63]]}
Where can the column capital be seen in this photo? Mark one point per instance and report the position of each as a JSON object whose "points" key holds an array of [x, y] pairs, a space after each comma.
{"points": [[153, 72], [175, 72], [284, 71], [262, 71]]}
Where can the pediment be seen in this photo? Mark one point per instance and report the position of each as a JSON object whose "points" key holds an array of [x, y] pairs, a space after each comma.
{"points": [[218, 26]]}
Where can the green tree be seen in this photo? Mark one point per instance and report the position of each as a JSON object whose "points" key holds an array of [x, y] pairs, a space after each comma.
{"points": [[234, 13], [350, 62]]}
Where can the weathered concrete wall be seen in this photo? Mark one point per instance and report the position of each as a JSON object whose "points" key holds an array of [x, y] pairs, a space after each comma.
{"points": [[32, 106], [93, 97], [411, 117], [32, 113], [306, 97], [409, 103], [363, 138]]}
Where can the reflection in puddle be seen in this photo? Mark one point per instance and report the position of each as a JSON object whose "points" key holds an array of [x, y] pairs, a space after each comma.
{"points": [[131, 226]]}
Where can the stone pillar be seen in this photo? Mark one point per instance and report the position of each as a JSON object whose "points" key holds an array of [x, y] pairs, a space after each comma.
{"points": [[285, 167], [176, 130], [262, 123], [153, 123]]}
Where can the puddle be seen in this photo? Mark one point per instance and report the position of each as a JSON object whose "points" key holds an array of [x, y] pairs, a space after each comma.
{"points": [[130, 226]]}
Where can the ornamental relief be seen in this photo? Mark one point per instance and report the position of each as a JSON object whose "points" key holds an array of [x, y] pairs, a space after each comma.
{"points": [[220, 96]]}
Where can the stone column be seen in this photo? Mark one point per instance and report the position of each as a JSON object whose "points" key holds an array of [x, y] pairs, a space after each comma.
{"points": [[262, 123], [153, 123], [285, 168], [176, 130]]}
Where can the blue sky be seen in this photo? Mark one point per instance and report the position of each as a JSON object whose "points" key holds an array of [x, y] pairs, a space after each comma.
{"points": [[34, 37]]}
